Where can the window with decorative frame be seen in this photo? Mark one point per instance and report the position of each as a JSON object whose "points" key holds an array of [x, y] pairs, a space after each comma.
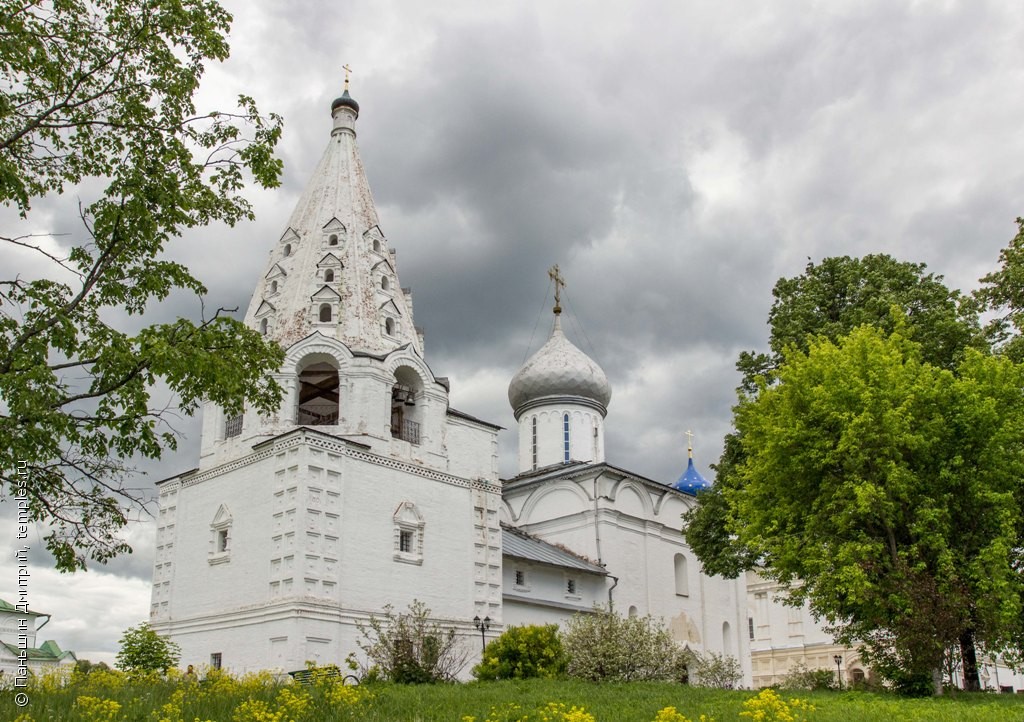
{"points": [[408, 534], [220, 536]]}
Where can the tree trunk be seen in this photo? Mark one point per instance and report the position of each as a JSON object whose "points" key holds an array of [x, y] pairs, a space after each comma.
{"points": [[969, 657]]}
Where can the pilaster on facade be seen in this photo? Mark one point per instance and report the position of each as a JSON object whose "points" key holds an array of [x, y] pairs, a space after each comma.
{"points": [[487, 583]]}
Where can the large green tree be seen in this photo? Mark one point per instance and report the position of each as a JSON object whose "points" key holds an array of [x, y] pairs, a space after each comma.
{"points": [[830, 299], [97, 95], [887, 492]]}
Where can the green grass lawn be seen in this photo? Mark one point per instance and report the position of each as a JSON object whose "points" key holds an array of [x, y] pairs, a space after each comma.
{"points": [[640, 701], [259, 700]]}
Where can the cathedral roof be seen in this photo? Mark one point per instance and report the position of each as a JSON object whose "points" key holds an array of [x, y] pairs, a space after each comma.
{"points": [[691, 481], [559, 369]]}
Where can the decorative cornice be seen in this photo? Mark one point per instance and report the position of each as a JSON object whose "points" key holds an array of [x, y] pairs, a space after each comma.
{"points": [[353, 450]]}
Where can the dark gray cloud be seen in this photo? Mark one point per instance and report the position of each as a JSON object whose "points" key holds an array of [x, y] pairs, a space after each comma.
{"points": [[674, 159]]}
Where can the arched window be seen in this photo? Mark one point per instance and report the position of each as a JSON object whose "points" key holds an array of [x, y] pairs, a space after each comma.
{"points": [[263, 327], [376, 245], [389, 326], [333, 240], [406, 405], [726, 639], [565, 439], [633, 611], [287, 249], [328, 275], [534, 441], [682, 578], [318, 395], [384, 284], [273, 286], [325, 312]]}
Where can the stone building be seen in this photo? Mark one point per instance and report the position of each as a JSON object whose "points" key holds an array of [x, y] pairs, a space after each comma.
{"points": [[367, 489], [19, 630]]}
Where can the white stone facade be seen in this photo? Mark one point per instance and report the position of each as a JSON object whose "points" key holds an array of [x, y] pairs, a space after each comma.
{"points": [[632, 527]]}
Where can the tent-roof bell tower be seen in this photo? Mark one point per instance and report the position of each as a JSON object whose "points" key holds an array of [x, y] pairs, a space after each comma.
{"points": [[332, 270]]}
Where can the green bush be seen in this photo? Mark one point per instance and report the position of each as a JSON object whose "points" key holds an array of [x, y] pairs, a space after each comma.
{"points": [[606, 646], [523, 652], [143, 650]]}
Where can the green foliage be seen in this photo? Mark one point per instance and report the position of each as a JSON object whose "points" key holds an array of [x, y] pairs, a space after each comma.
{"points": [[143, 650], [834, 297], [891, 488], [830, 299], [705, 524], [604, 645], [720, 671], [1003, 293], [412, 648], [85, 667], [100, 94], [523, 652]]}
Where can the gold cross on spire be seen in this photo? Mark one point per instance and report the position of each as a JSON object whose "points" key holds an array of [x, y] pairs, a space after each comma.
{"points": [[556, 276], [347, 71], [689, 443]]}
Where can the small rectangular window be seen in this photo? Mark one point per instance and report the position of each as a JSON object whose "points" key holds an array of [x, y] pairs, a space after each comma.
{"points": [[750, 627], [565, 438], [222, 540], [520, 578], [570, 586], [405, 542], [215, 660], [232, 426]]}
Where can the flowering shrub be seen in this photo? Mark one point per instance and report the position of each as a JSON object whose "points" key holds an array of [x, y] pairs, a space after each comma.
{"points": [[411, 648], [799, 677], [717, 670], [523, 652], [607, 646], [768, 706], [94, 709]]}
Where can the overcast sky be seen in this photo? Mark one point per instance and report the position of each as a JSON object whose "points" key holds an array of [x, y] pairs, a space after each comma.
{"points": [[675, 159]]}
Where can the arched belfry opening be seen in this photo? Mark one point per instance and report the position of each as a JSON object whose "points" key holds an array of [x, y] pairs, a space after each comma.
{"points": [[406, 405], [318, 394]]}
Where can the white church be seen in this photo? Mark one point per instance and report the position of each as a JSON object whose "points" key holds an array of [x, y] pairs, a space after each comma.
{"points": [[367, 488]]}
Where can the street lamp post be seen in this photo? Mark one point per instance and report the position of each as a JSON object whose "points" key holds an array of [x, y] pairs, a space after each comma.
{"points": [[839, 670], [483, 625]]}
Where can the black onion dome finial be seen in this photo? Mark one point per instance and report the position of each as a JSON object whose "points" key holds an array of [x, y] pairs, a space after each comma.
{"points": [[345, 100]]}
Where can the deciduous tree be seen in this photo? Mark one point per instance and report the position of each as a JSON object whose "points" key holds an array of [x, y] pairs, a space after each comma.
{"points": [[830, 299], [143, 650], [1002, 292], [887, 492], [98, 95]]}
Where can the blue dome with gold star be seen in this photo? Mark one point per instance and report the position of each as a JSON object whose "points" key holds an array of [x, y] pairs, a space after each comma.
{"points": [[691, 481]]}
